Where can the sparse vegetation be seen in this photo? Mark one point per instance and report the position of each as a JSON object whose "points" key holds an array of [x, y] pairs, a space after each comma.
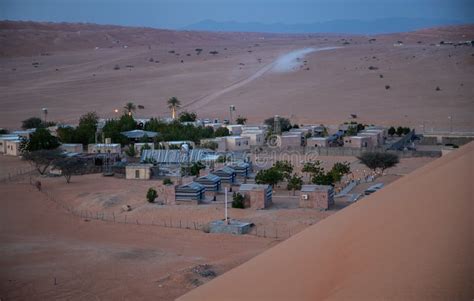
{"points": [[151, 195], [167, 181], [387, 87], [238, 200], [294, 183], [187, 116], [42, 159], [69, 167]]}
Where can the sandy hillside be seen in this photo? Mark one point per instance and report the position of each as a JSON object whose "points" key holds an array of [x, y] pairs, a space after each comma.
{"points": [[410, 241], [72, 77], [46, 254]]}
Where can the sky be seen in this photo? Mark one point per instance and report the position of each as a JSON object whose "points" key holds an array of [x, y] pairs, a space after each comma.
{"points": [[175, 14]]}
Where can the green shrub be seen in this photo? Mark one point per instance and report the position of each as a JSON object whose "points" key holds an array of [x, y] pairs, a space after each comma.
{"points": [[151, 195], [238, 200], [167, 181]]}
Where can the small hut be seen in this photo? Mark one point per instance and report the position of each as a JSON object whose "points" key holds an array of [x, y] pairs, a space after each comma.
{"points": [[227, 174], [257, 196], [210, 182], [317, 196], [242, 169], [191, 193]]}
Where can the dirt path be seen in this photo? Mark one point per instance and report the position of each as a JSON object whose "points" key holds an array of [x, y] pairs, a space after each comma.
{"points": [[286, 59]]}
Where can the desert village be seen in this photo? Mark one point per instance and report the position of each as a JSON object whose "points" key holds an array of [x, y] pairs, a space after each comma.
{"points": [[193, 194]]}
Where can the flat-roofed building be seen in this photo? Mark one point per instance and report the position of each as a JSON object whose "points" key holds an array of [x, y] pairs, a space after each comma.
{"points": [[13, 147], [289, 140], [138, 171], [72, 147], [256, 137], [4, 139], [103, 148], [358, 142], [317, 142], [256, 196], [317, 196]]}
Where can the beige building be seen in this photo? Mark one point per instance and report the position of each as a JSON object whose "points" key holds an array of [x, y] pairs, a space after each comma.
{"points": [[288, 140], [237, 143], [3, 142], [377, 135], [234, 129], [229, 143], [317, 142], [256, 196], [256, 137], [112, 148], [138, 171], [358, 141], [317, 196], [13, 147]]}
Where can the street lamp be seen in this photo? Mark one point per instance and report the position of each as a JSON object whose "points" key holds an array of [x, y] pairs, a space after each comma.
{"points": [[450, 124]]}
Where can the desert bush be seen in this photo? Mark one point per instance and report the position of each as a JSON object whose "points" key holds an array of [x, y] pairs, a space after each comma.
{"points": [[387, 87], [167, 181], [151, 195], [238, 200], [378, 160], [116, 67]]}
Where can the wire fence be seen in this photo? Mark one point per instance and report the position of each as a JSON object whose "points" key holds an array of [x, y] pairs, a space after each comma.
{"points": [[273, 232], [16, 174]]}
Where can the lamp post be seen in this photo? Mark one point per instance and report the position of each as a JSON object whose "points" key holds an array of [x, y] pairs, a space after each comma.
{"points": [[450, 124]]}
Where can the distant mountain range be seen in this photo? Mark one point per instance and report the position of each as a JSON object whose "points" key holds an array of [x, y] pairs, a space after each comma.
{"points": [[389, 25]]}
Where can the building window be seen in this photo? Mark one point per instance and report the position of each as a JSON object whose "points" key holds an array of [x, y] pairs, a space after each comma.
{"points": [[137, 174]]}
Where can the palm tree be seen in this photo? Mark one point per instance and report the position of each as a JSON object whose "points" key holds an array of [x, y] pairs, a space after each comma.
{"points": [[129, 108], [173, 104]]}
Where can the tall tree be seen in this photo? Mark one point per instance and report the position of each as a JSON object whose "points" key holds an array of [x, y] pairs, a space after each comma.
{"points": [[295, 182], [173, 104], [32, 123], [241, 120], [42, 159], [69, 167], [378, 160], [40, 139], [129, 108]]}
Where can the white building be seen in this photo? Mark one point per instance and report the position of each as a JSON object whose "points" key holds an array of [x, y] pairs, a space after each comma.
{"points": [[317, 142], [112, 148], [13, 147], [72, 147], [257, 137]]}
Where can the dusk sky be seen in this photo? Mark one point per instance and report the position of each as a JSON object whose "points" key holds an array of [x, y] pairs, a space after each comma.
{"points": [[179, 13]]}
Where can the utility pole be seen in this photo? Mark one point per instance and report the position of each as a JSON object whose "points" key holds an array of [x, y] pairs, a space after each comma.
{"points": [[45, 113], [226, 218], [231, 109], [450, 124]]}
